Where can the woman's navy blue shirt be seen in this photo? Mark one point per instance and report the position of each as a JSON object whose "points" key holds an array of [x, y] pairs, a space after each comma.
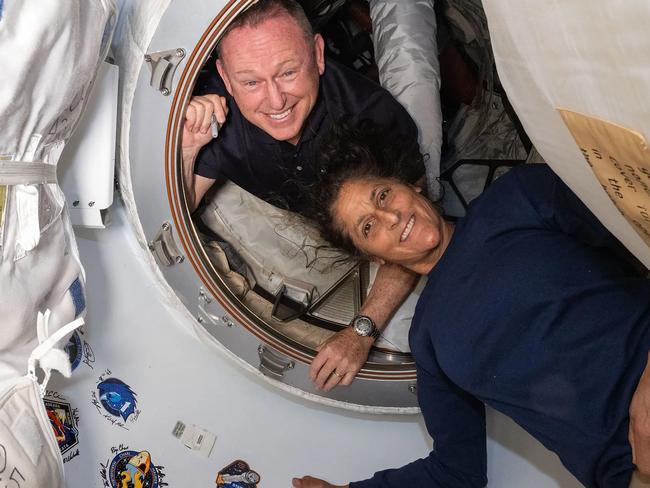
{"points": [[534, 310]]}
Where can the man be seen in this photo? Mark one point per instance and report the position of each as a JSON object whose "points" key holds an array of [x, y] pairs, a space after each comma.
{"points": [[278, 99]]}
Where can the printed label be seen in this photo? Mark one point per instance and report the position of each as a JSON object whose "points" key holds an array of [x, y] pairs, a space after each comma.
{"points": [[620, 159], [195, 438]]}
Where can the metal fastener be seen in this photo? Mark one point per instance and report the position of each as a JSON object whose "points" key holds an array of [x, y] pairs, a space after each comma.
{"points": [[91, 204]]}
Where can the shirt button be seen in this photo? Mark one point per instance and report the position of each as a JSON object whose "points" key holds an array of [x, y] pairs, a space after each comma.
{"points": [[299, 168]]}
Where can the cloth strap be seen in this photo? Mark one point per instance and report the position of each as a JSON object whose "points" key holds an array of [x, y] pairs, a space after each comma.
{"points": [[47, 345], [26, 173]]}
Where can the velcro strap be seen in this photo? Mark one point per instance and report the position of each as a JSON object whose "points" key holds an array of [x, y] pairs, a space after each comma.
{"points": [[26, 173]]}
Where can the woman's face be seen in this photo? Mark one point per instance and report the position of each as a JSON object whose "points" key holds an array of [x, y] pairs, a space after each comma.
{"points": [[391, 222]]}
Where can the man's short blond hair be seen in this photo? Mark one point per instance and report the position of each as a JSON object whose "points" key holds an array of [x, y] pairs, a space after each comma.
{"points": [[264, 10]]}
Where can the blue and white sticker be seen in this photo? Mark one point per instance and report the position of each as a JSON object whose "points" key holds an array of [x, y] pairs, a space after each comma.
{"points": [[115, 400]]}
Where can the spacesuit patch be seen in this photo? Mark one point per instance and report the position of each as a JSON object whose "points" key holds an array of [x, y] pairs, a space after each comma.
{"points": [[237, 474]]}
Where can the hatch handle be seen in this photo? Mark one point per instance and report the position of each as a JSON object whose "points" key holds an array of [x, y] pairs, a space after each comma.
{"points": [[164, 248], [163, 65], [272, 363]]}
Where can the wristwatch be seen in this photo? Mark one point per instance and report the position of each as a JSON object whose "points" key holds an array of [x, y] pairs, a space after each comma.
{"points": [[365, 327]]}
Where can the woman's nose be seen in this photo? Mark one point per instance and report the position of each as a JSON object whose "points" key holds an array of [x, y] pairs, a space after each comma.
{"points": [[389, 217]]}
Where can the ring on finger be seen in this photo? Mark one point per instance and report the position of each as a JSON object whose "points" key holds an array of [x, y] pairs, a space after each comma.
{"points": [[337, 374]]}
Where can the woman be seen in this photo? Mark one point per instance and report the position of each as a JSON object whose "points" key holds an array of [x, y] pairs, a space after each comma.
{"points": [[531, 307]]}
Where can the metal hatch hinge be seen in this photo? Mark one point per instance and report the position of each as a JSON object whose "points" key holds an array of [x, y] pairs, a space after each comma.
{"points": [[163, 65], [164, 248], [272, 363]]}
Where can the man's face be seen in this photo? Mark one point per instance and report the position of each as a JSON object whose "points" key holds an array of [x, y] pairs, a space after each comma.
{"points": [[272, 72]]}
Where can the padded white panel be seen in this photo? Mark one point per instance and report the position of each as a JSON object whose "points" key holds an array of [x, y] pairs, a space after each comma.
{"points": [[587, 56]]}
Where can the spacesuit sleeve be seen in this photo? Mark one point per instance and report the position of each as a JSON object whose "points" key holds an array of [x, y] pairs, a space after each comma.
{"points": [[456, 422]]}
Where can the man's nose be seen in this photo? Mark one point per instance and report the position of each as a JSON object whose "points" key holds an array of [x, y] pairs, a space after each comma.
{"points": [[276, 97], [389, 217]]}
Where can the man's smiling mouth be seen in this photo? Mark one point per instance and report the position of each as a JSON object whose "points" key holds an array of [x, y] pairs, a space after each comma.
{"points": [[407, 229], [282, 115]]}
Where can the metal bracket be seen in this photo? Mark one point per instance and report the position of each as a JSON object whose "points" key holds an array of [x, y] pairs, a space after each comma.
{"points": [[208, 315], [164, 248], [163, 65], [272, 363]]}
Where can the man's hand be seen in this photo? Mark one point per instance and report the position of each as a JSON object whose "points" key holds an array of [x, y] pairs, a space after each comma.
{"points": [[198, 118], [197, 132], [310, 482], [639, 431], [339, 359]]}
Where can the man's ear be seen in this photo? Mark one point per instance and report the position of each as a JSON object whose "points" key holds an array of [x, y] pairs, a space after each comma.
{"points": [[319, 53], [416, 188], [224, 76]]}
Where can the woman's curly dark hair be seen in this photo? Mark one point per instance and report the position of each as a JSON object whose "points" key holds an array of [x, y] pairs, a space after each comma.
{"points": [[365, 150]]}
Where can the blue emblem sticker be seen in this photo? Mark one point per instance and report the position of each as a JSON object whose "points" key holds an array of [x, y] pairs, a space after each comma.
{"points": [[78, 350], [74, 350], [115, 400]]}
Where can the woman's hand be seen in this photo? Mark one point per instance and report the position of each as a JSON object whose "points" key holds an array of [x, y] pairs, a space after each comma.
{"points": [[639, 431], [310, 482]]}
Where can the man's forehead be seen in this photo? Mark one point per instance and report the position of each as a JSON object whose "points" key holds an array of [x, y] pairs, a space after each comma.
{"points": [[280, 32]]}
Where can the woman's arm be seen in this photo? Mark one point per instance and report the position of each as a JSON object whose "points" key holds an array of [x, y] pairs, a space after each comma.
{"points": [[456, 421]]}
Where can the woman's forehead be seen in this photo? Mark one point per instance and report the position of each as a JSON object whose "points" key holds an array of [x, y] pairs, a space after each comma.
{"points": [[356, 198]]}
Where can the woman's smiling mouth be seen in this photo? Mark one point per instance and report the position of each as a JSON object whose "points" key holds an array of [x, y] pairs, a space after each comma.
{"points": [[407, 229]]}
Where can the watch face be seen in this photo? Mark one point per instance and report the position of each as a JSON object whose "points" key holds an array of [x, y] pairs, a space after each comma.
{"points": [[363, 326]]}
